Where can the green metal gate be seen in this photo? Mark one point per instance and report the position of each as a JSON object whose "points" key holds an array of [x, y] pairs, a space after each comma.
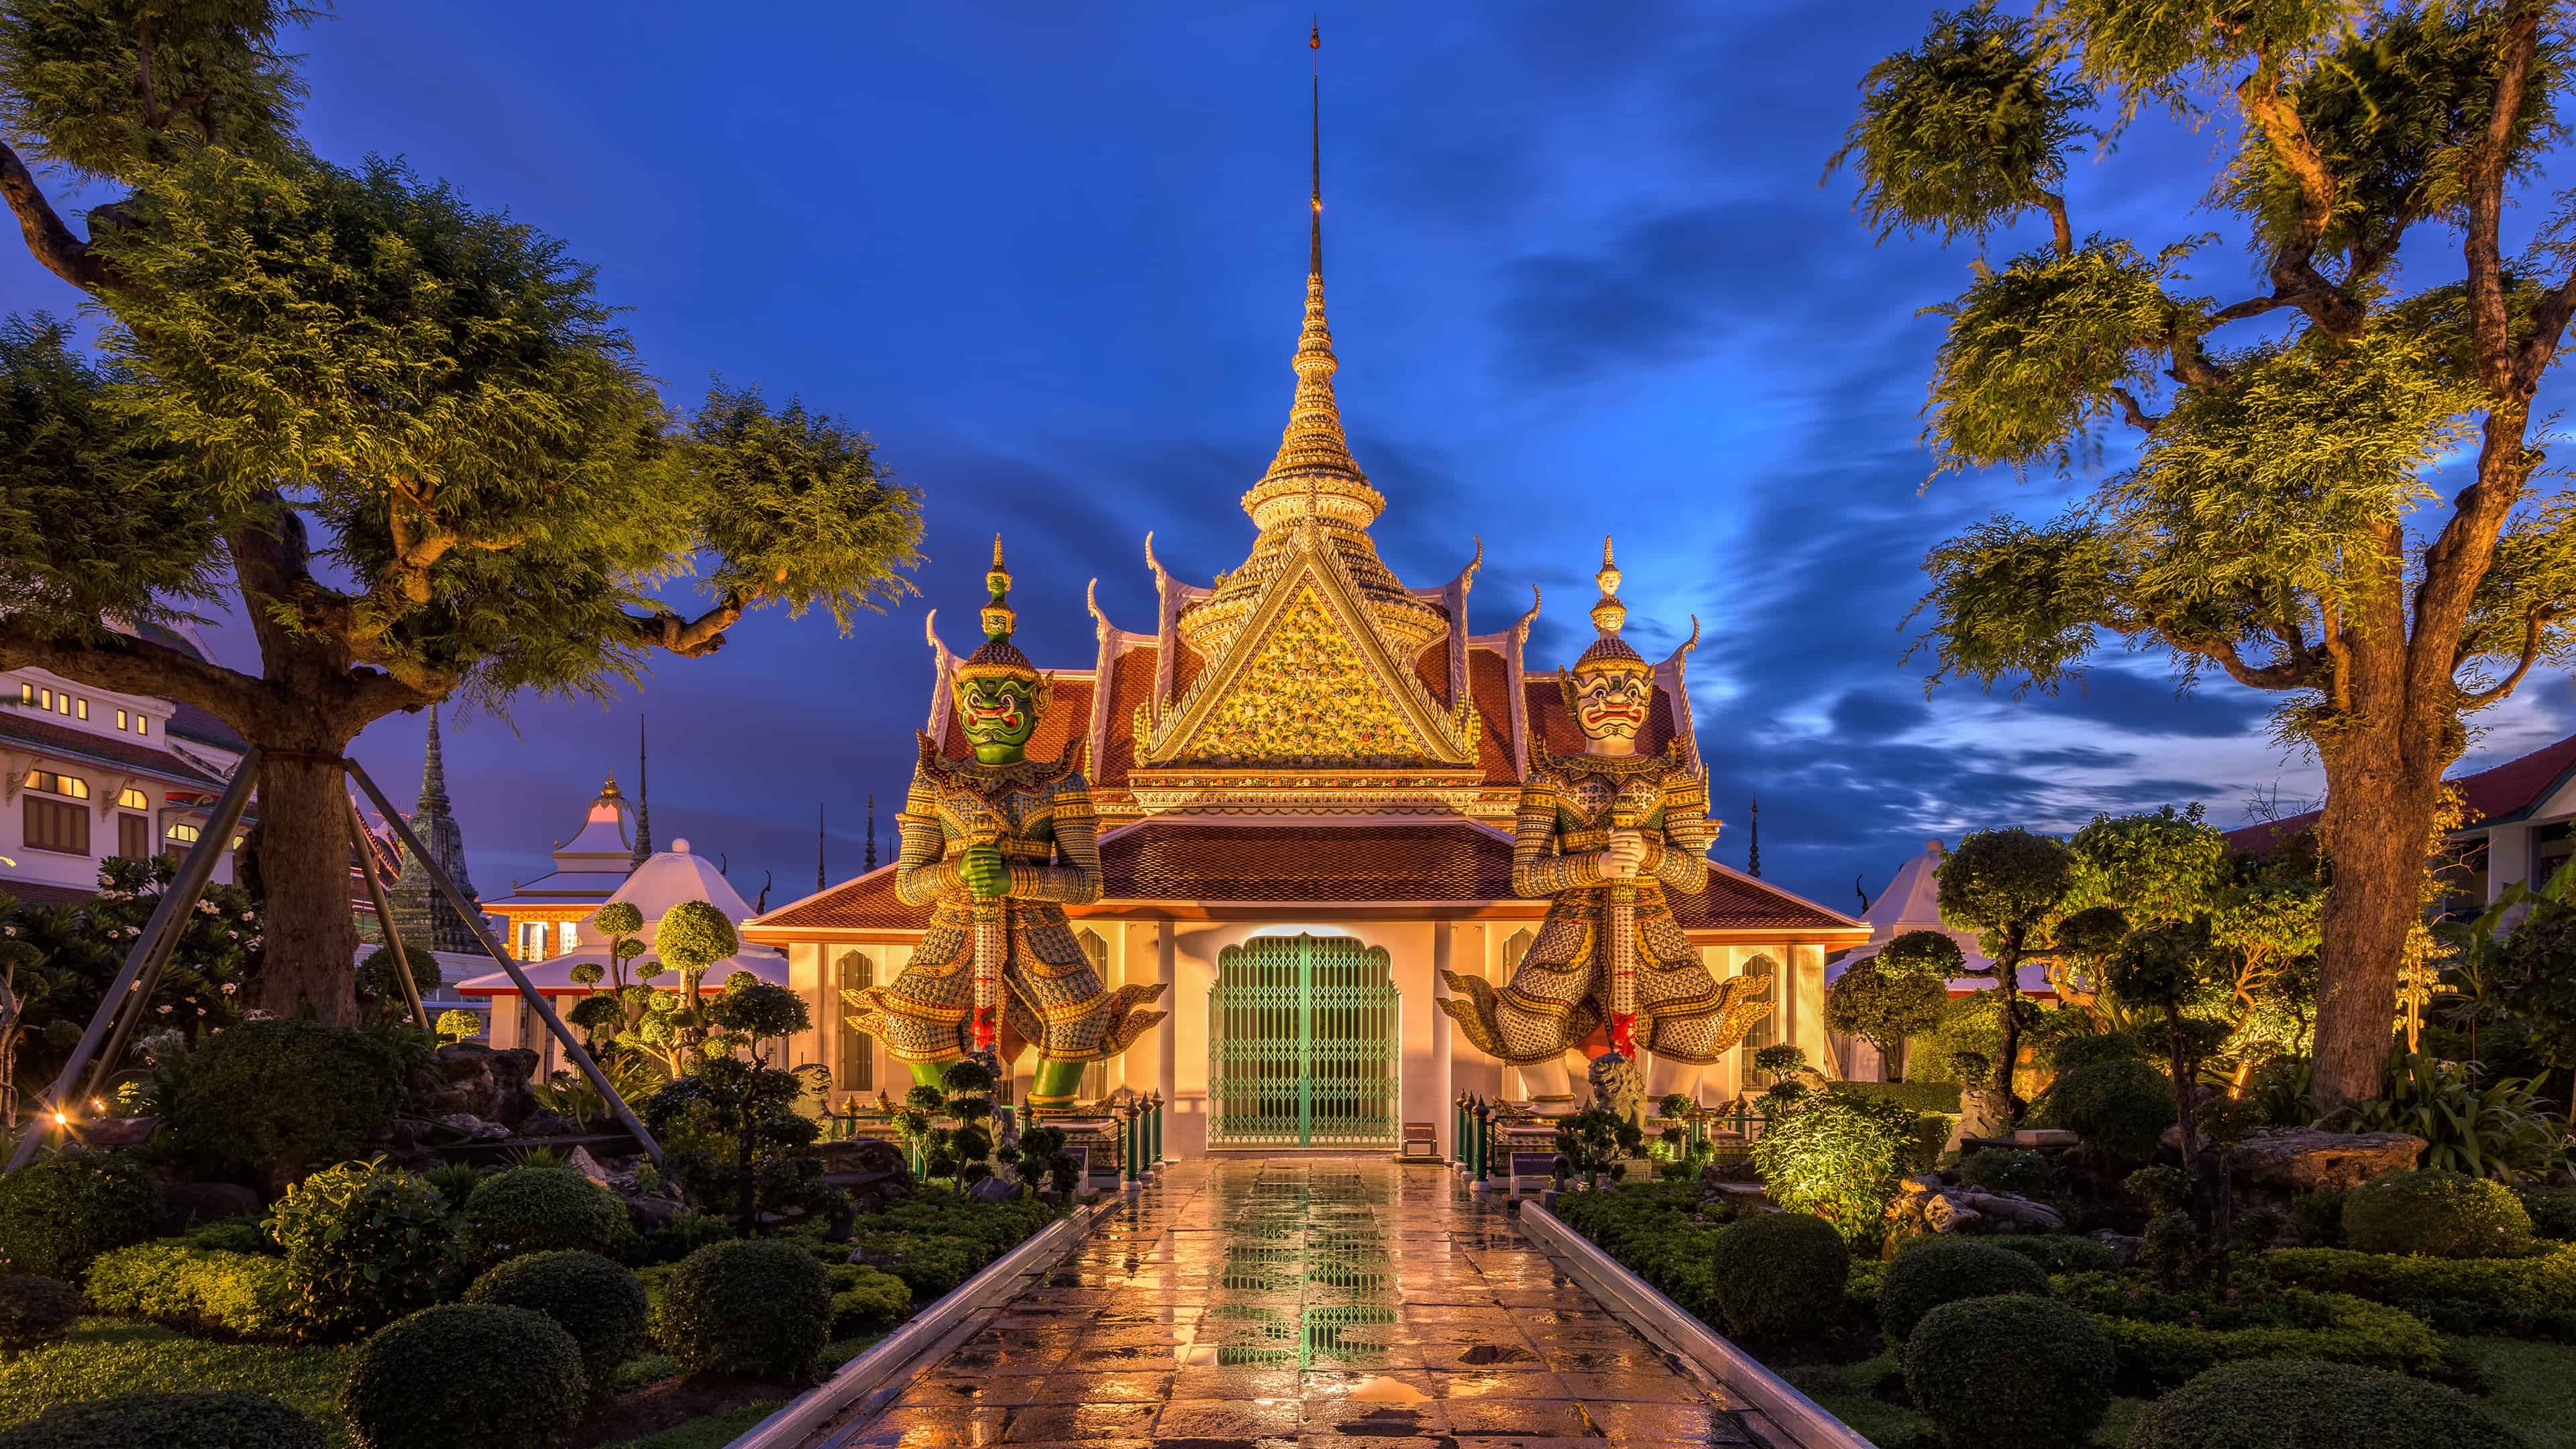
{"points": [[1303, 1036]]}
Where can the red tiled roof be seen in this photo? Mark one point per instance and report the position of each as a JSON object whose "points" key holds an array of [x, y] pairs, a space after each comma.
{"points": [[1549, 719], [1427, 863], [1432, 668], [1130, 685], [1489, 680], [1066, 721], [49, 736], [42, 894], [2499, 792]]}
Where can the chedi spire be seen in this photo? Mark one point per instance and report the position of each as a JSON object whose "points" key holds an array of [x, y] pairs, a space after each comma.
{"points": [[421, 914]]}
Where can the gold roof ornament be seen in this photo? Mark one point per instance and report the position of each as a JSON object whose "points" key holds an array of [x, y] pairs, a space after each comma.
{"points": [[1610, 653], [998, 657]]}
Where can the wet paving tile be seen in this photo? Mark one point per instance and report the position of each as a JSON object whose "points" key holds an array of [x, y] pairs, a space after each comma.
{"points": [[1307, 1304]]}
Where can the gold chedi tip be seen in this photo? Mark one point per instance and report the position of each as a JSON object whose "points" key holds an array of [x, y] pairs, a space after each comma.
{"points": [[1609, 613], [998, 656]]}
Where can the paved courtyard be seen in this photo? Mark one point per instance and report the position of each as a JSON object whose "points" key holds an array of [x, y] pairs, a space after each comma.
{"points": [[1310, 1303]]}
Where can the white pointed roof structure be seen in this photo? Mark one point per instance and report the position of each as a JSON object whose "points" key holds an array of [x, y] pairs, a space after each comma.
{"points": [[1912, 902], [591, 865], [661, 882]]}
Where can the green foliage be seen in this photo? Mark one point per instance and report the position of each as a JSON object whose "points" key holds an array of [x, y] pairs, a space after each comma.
{"points": [[1935, 1271], [2006, 1169], [540, 1210], [866, 1299], [106, 1358], [35, 1310], [2012, 1370], [2532, 1296], [937, 1238], [2161, 1187], [1839, 1157], [755, 1310], [1920, 1096], [2058, 1252], [380, 984], [281, 1096], [733, 1141], [2165, 1338], [599, 1303], [2499, 1130], [1660, 1232], [694, 936], [365, 1243], [1596, 1141], [1957, 136], [760, 1012], [1883, 1006], [456, 1024], [1770, 1273], [243, 1295], [504, 1377], [2155, 867], [1780, 1059], [2437, 1213], [2299, 1404], [2119, 1106], [2552, 1209], [65, 1208], [217, 77], [684, 1234], [223, 1419], [617, 918]]}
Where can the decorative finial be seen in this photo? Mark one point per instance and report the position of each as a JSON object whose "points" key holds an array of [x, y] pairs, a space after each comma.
{"points": [[998, 618], [1609, 613]]}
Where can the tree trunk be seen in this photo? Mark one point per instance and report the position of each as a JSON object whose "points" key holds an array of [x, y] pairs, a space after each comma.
{"points": [[311, 936], [2377, 825], [2008, 981]]}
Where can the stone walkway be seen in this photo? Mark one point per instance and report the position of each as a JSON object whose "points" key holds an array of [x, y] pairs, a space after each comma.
{"points": [[1307, 1303]]}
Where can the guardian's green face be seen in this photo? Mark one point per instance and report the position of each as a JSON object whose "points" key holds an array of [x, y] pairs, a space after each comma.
{"points": [[999, 715]]}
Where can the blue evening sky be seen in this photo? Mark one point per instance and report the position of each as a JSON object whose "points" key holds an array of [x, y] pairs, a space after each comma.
{"points": [[1583, 279]]}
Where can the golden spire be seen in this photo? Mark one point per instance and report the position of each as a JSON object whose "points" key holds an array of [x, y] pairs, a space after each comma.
{"points": [[998, 655], [998, 616], [1313, 474], [1608, 614]]}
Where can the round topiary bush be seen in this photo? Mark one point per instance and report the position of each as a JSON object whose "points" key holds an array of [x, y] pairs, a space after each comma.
{"points": [[2118, 1105], [286, 1096], [226, 1420], [540, 1210], [470, 1375], [2006, 1169], [365, 1243], [35, 1311], [1947, 1270], [2437, 1213], [2307, 1404], [2021, 1371], [1776, 1274], [759, 1309], [65, 1208], [599, 1303]]}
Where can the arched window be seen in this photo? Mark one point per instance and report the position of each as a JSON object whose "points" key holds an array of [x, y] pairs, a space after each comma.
{"points": [[1516, 946], [1766, 1029], [133, 799], [855, 1069], [72, 786], [1095, 1077]]}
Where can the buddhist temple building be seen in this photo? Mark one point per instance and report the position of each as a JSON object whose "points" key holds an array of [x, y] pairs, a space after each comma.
{"points": [[1305, 772], [543, 917]]}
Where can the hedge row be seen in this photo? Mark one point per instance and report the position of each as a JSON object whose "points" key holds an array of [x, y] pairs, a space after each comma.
{"points": [[2164, 1351], [1921, 1096], [2526, 1297], [196, 1289]]}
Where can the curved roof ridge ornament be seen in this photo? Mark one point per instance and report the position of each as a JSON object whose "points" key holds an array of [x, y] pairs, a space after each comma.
{"points": [[1521, 625], [1681, 651]]}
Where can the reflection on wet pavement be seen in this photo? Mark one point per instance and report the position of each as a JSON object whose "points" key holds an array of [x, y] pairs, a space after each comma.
{"points": [[1264, 1304]]}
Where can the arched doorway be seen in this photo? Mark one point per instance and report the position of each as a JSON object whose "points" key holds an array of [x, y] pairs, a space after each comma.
{"points": [[1302, 1032]]}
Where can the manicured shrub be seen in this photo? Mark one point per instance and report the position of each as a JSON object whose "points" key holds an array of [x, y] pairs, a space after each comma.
{"points": [[1659, 1232], [2059, 1252], [2118, 1105], [2013, 1370], [195, 1290], [2437, 1213], [468, 1375], [1775, 1275], [2162, 1339], [365, 1243], [65, 1208], [1946, 1270], [760, 1309], [540, 1210], [1921, 1096], [2526, 1297], [224, 1420], [2298, 1404], [2552, 1209], [866, 1299], [287, 1095], [2006, 1169], [599, 1303], [1839, 1157], [2317, 1217], [241, 1233], [35, 1311]]}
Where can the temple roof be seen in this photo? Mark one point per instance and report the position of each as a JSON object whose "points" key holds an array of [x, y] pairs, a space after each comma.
{"points": [[2499, 794], [1181, 866]]}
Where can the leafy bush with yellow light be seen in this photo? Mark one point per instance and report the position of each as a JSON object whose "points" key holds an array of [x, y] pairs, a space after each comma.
{"points": [[193, 1289], [1840, 1157], [2437, 1213], [365, 1243], [540, 1210]]}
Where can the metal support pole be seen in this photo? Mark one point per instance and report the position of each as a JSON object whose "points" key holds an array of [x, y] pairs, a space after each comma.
{"points": [[385, 916], [492, 947], [151, 950]]}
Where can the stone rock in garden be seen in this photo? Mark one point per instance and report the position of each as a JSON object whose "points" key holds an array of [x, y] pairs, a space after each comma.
{"points": [[545, 1123], [993, 1189], [119, 1131], [648, 1213], [471, 1078], [1983, 1112], [203, 1202], [2124, 1249], [2002, 1208], [2303, 1159], [1945, 1212], [588, 1166], [2045, 1137], [475, 1128]]}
